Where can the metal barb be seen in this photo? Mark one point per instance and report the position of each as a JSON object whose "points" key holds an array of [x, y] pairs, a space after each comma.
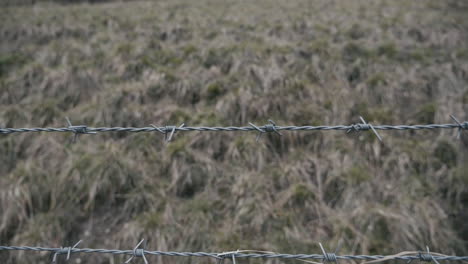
{"points": [[220, 260], [173, 130], [64, 250], [330, 257], [427, 256], [266, 128], [138, 252], [461, 126], [364, 126], [157, 129], [233, 255], [223, 255], [272, 127], [78, 130]]}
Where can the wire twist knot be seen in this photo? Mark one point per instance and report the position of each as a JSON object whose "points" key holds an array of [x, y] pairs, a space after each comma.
{"points": [[82, 129], [171, 130], [270, 128], [364, 126], [464, 125], [425, 257], [79, 129], [266, 128], [361, 127], [231, 254], [461, 126], [138, 252], [330, 257], [168, 129], [63, 251]]}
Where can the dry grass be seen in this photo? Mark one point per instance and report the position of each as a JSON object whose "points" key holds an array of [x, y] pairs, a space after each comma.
{"points": [[228, 62]]}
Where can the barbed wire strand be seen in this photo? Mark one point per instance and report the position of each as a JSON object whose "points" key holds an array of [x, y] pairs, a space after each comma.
{"points": [[138, 252], [169, 131]]}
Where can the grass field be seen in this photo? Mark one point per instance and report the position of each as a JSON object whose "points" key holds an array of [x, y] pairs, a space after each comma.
{"points": [[230, 62]]}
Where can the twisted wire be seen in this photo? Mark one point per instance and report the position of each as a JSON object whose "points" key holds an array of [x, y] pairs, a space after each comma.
{"points": [[137, 252], [265, 128]]}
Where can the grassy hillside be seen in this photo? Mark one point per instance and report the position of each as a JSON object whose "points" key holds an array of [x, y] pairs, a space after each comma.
{"points": [[213, 62]]}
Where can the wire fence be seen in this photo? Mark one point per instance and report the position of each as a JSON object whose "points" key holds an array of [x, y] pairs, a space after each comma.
{"points": [[169, 131], [140, 252], [271, 127]]}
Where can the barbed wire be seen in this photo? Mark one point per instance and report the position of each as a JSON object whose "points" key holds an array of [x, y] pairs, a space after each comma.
{"points": [[139, 252], [169, 131]]}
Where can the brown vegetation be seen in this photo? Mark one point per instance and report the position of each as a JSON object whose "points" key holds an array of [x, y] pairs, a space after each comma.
{"points": [[212, 62]]}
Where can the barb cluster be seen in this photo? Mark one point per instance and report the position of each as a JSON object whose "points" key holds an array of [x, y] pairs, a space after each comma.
{"points": [[169, 131], [138, 252]]}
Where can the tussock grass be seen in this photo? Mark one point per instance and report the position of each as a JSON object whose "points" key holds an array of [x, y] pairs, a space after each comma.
{"points": [[227, 63]]}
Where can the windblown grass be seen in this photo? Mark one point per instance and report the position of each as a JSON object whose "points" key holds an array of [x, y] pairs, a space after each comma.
{"points": [[229, 62]]}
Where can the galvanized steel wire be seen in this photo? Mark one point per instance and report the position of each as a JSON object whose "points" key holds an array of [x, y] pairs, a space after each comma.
{"points": [[169, 131], [330, 257]]}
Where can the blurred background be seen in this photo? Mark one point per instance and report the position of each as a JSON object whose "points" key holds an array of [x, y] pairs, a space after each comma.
{"points": [[222, 63]]}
